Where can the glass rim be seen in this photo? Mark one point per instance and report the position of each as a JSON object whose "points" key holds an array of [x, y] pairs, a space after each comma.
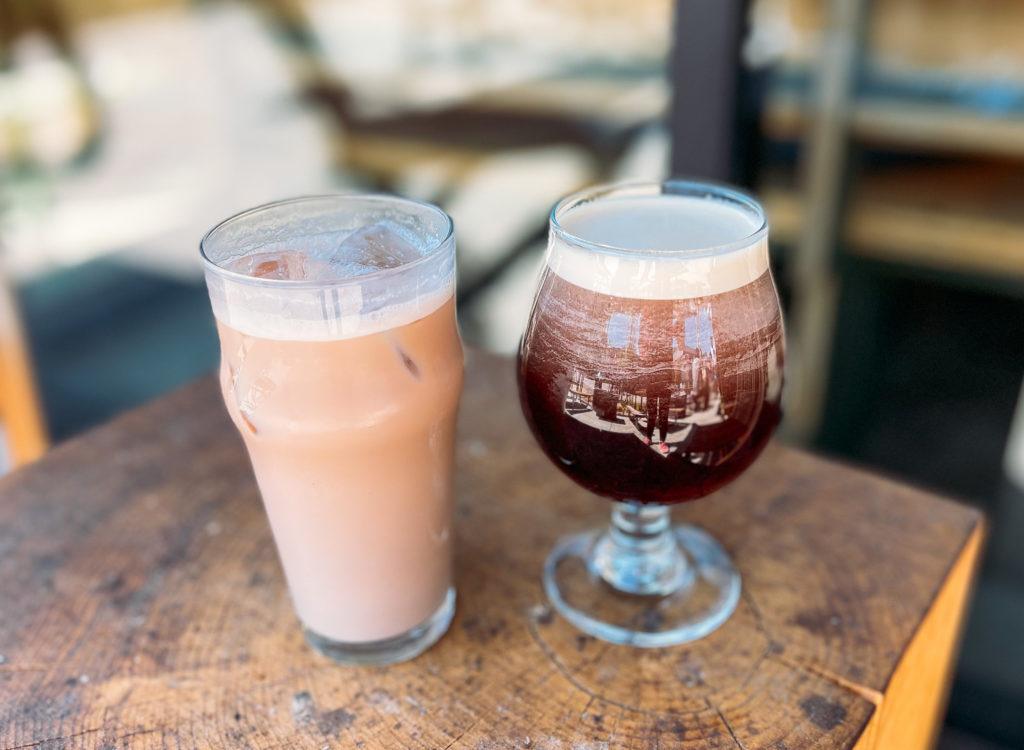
{"points": [[703, 189], [430, 252]]}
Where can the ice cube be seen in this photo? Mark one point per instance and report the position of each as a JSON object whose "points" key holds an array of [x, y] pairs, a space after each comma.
{"points": [[373, 248], [325, 257], [281, 264]]}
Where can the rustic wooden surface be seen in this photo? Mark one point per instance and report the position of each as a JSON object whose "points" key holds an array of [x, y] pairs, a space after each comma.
{"points": [[141, 605]]}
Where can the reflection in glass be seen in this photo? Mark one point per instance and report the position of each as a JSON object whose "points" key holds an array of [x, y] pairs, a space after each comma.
{"points": [[651, 373]]}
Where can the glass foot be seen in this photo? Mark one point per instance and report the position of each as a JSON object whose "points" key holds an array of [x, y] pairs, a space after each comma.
{"points": [[680, 598], [404, 647]]}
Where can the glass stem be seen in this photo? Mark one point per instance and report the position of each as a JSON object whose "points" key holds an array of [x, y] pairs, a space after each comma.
{"points": [[639, 554]]}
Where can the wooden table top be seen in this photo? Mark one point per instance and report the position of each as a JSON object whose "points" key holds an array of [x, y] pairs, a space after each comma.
{"points": [[141, 604]]}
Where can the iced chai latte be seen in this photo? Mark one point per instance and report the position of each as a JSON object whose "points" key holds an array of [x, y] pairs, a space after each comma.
{"points": [[341, 367]]}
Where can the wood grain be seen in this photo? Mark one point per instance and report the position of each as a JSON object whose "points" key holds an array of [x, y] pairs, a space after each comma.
{"points": [[916, 695], [141, 604]]}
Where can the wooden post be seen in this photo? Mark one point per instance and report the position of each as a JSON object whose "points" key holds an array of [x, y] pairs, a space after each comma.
{"points": [[21, 415], [707, 82], [815, 284]]}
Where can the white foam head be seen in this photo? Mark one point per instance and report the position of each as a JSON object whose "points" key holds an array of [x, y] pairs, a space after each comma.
{"points": [[636, 241], [314, 299]]}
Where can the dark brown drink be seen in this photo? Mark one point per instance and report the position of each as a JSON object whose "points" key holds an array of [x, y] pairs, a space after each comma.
{"points": [[651, 373], [652, 400]]}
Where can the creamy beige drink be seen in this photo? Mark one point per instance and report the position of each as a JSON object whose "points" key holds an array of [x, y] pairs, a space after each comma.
{"points": [[341, 368]]}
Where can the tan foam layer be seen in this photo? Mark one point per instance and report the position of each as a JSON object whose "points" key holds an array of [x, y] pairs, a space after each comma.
{"points": [[668, 247], [314, 314]]}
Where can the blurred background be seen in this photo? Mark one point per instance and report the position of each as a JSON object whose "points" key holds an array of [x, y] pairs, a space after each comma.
{"points": [[885, 138]]}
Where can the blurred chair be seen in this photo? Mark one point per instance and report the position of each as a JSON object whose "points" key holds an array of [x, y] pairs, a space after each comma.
{"points": [[454, 139]]}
